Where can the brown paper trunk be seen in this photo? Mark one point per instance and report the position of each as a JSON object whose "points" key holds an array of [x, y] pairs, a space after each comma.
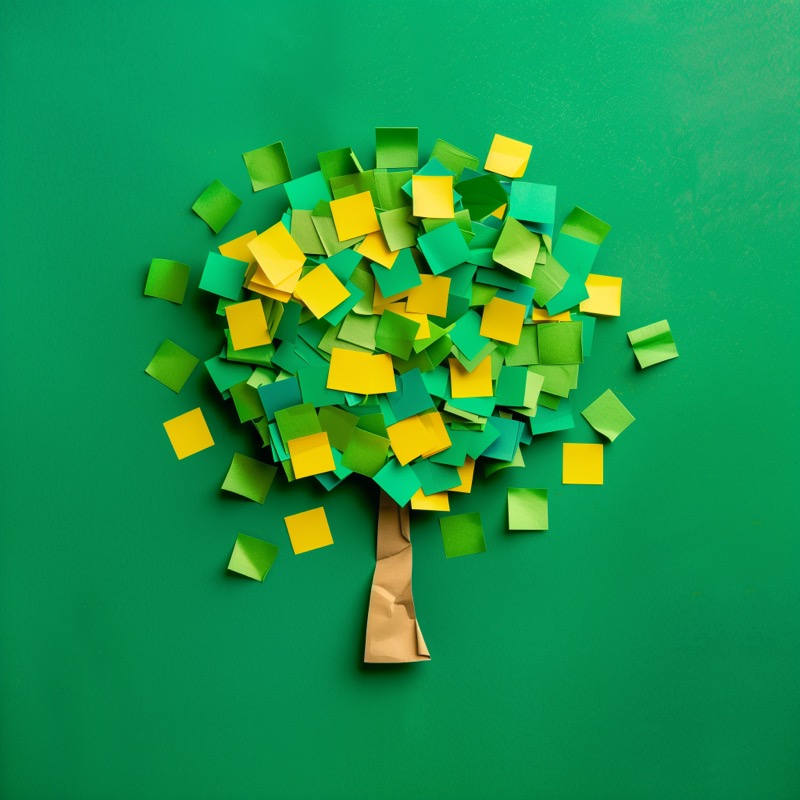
{"points": [[393, 634]]}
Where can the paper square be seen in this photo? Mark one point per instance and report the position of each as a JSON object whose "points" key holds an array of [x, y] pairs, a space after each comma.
{"points": [[502, 320], [249, 477], [605, 295], [278, 255], [171, 365], [432, 196], [267, 166], [223, 276], [308, 530], [438, 501], [477, 383], [247, 324], [321, 291], [375, 248], [311, 455], [527, 510], [462, 534], [354, 216], [216, 205], [396, 148], [608, 416], [252, 557], [508, 157], [653, 344], [444, 248], [188, 433], [582, 464], [167, 279]]}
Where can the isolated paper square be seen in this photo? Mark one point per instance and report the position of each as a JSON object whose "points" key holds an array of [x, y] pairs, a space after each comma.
{"points": [[462, 534], [249, 477], [396, 148], [527, 510], [308, 530], [582, 463], [267, 166], [608, 416], [188, 433], [252, 557], [167, 279], [216, 205], [508, 157], [172, 365]]}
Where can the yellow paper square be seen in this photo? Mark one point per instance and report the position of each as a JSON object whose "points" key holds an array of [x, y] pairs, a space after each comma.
{"points": [[508, 157], [409, 439], [502, 320], [430, 297], [360, 373], [466, 472], [278, 255], [237, 248], [437, 436], [311, 455], [354, 216], [321, 291], [433, 196], [541, 315], [582, 463], [188, 433], [430, 502], [477, 383], [375, 248], [247, 324], [605, 295], [308, 530]]}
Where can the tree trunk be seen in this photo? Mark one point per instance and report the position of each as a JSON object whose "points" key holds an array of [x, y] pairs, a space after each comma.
{"points": [[393, 634]]}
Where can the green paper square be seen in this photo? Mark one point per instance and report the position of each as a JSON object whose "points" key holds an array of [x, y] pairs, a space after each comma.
{"points": [[653, 344], [548, 280], [167, 279], [527, 509], [365, 452], [335, 163], [454, 158], [249, 478], [306, 191], [305, 233], [339, 425], [261, 355], [608, 416], [360, 330], [560, 343], [297, 421], [252, 557], [511, 386], [559, 379], [267, 166], [444, 248], [526, 352], [395, 334], [396, 148], [389, 188], [172, 365], [517, 248], [462, 534], [400, 483], [403, 275], [247, 401], [223, 276], [397, 230], [216, 205]]}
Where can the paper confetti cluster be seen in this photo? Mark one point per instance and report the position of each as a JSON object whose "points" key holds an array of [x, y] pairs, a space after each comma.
{"points": [[401, 323]]}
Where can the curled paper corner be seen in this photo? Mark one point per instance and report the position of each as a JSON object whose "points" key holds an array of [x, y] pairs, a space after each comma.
{"points": [[393, 633]]}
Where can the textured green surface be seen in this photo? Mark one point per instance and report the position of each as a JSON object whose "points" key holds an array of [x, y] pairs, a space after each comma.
{"points": [[646, 646]]}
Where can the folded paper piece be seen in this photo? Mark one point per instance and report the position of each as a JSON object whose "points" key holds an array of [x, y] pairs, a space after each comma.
{"points": [[216, 205], [527, 510], [167, 279], [393, 633], [267, 166], [249, 477], [653, 344], [172, 365], [582, 463], [308, 530], [252, 557], [188, 433], [608, 416], [462, 534], [605, 295]]}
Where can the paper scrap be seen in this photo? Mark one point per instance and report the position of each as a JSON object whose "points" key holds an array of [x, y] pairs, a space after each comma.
{"points": [[308, 530], [267, 166], [393, 632], [360, 373], [605, 295], [167, 279], [354, 216], [396, 148], [462, 534], [311, 455], [433, 196], [320, 291], [252, 557], [527, 509], [582, 463], [502, 320], [508, 157], [248, 477], [608, 416], [216, 205], [653, 344], [247, 324], [188, 433], [172, 365]]}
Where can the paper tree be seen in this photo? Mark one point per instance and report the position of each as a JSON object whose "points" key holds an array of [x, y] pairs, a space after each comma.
{"points": [[400, 323]]}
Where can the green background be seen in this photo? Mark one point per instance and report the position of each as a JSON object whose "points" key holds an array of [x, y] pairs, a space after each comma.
{"points": [[647, 646]]}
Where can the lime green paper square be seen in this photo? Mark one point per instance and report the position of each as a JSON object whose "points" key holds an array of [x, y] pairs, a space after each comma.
{"points": [[517, 248], [252, 557], [249, 478], [216, 205], [171, 365], [396, 148], [167, 279], [462, 534], [560, 343], [267, 166], [527, 509], [653, 344], [608, 416], [397, 230]]}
